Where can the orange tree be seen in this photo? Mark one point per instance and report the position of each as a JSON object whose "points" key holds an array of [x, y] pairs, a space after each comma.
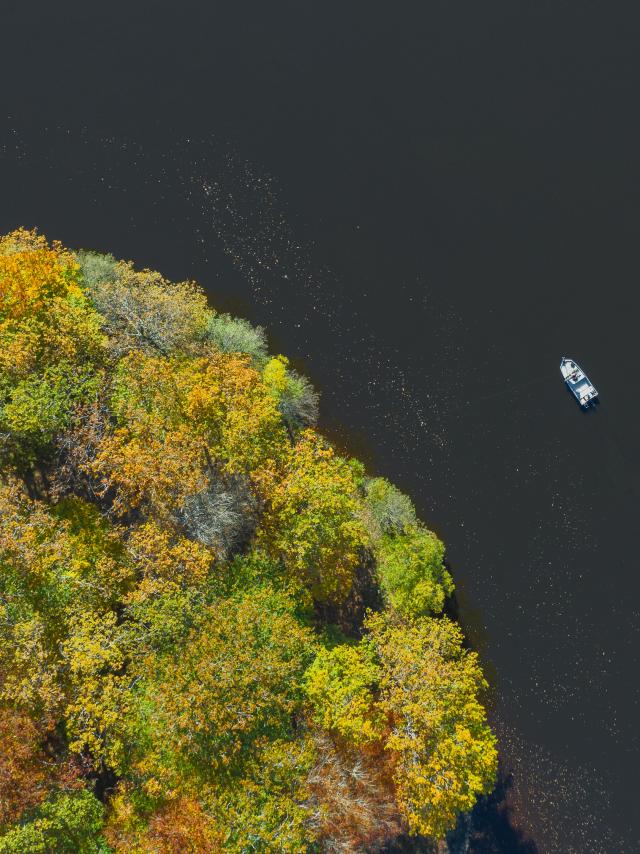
{"points": [[182, 422], [51, 345]]}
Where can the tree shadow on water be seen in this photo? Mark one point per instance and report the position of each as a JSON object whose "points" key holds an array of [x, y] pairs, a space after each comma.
{"points": [[490, 828], [487, 829]]}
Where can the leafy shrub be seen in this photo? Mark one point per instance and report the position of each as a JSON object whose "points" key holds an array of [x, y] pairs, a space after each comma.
{"points": [[298, 403], [96, 269], [297, 399], [236, 335], [386, 509]]}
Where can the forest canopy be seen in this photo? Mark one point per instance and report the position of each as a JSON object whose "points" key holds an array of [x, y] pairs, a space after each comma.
{"points": [[217, 633]]}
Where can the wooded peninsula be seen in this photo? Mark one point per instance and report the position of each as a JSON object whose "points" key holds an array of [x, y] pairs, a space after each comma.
{"points": [[216, 632]]}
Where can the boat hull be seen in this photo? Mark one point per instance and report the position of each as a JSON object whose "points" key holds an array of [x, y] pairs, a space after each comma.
{"points": [[578, 383]]}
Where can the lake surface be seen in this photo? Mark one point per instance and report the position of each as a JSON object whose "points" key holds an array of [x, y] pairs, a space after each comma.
{"points": [[427, 205]]}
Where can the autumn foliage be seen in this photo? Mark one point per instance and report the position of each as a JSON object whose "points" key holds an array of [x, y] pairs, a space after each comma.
{"points": [[178, 546]]}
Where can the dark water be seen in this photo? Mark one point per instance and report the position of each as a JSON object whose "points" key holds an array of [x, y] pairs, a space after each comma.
{"points": [[428, 204]]}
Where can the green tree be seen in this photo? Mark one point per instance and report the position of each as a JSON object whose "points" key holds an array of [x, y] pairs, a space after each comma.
{"points": [[232, 687], [267, 809], [412, 573], [66, 823], [55, 567]]}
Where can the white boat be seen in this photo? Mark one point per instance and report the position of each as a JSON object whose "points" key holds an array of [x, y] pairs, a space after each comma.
{"points": [[578, 383]]}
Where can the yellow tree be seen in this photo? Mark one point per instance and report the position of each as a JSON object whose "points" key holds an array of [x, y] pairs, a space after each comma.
{"points": [[231, 408], [341, 685], [445, 753], [312, 522], [143, 470], [161, 555], [97, 687], [34, 549], [54, 568], [172, 572]]}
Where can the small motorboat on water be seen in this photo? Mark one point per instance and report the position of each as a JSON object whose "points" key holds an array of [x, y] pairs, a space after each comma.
{"points": [[578, 383]]}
